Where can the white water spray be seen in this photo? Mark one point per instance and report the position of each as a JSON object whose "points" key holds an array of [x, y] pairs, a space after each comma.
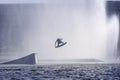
{"points": [[112, 36], [81, 23]]}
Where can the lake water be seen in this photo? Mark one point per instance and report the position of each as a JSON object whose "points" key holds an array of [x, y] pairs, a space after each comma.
{"points": [[60, 72]]}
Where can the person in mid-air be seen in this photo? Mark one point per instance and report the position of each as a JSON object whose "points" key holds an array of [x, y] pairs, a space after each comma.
{"points": [[59, 42]]}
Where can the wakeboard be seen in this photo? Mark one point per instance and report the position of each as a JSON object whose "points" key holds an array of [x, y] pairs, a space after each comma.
{"points": [[60, 45]]}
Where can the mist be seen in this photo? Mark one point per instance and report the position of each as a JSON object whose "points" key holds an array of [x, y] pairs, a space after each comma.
{"points": [[34, 28]]}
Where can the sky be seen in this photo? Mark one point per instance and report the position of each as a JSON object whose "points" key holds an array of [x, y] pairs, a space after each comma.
{"points": [[34, 28]]}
